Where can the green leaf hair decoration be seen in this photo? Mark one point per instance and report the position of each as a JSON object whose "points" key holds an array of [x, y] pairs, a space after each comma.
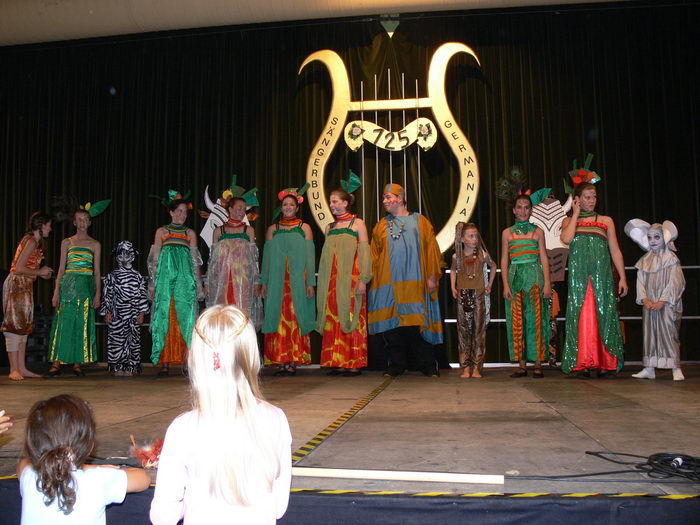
{"points": [[351, 183], [540, 195], [96, 209], [250, 197], [172, 195]]}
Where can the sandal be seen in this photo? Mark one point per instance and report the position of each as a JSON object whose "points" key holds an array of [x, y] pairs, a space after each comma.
{"points": [[78, 371], [537, 373], [54, 372], [522, 372]]}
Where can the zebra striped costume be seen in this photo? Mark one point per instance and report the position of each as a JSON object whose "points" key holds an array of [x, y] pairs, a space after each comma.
{"points": [[124, 296]]}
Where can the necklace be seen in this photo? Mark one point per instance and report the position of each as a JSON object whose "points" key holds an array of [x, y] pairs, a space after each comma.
{"points": [[345, 216], [396, 235], [290, 222], [586, 213], [234, 223], [177, 227], [470, 262], [522, 227]]}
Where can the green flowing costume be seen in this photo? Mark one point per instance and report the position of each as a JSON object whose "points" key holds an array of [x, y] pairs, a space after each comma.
{"points": [[174, 280], [527, 315], [73, 326], [589, 258], [289, 248]]}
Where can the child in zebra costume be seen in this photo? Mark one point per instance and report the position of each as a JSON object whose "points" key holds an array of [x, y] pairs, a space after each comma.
{"points": [[124, 305]]}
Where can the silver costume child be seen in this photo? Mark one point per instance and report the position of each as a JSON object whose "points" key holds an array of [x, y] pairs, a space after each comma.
{"points": [[660, 284]]}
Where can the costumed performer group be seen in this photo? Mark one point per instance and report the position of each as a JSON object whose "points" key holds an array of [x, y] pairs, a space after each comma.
{"points": [[402, 266]]}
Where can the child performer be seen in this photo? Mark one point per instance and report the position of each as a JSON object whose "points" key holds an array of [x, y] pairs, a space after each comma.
{"points": [[76, 295], [18, 293], [526, 285], [471, 288], [124, 305], [228, 460], [660, 284], [56, 485]]}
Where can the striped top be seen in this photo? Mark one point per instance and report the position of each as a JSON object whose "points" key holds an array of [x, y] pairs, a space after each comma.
{"points": [[176, 236], [241, 235], [340, 231], [592, 228], [523, 248], [79, 260]]}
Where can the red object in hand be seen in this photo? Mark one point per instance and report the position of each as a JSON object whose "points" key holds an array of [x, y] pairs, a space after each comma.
{"points": [[149, 454]]}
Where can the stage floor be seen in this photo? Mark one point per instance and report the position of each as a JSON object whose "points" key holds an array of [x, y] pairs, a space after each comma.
{"points": [[495, 425]]}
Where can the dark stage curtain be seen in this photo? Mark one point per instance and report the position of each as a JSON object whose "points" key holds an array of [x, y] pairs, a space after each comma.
{"points": [[126, 117]]}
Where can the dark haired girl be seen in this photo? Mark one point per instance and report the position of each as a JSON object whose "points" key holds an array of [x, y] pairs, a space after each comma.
{"points": [[525, 275], [55, 483], [18, 296], [175, 285]]}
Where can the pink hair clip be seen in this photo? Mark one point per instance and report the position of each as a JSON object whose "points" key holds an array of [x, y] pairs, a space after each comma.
{"points": [[217, 361]]}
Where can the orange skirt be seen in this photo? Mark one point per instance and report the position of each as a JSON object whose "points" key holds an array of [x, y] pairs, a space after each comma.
{"points": [[340, 349], [175, 348], [287, 345]]}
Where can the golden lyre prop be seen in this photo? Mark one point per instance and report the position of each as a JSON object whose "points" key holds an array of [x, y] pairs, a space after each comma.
{"points": [[420, 131]]}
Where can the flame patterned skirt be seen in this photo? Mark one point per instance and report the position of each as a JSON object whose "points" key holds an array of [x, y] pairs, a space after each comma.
{"points": [[287, 345], [340, 349]]}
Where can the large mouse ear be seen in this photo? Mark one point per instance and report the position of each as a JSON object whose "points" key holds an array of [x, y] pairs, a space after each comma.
{"points": [[636, 229], [670, 234]]}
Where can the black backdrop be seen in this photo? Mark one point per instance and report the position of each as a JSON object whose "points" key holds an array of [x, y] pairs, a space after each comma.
{"points": [[129, 116]]}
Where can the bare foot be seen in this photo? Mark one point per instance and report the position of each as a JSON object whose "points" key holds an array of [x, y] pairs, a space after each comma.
{"points": [[466, 374], [28, 373], [16, 376], [476, 374]]}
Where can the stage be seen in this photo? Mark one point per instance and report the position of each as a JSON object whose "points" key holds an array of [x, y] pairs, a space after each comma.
{"points": [[517, 428]]}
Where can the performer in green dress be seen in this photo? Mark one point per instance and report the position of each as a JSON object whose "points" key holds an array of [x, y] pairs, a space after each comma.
{"points": [[287, 285], [593, 335], [76, 295], [526, 286], [175, 285]]}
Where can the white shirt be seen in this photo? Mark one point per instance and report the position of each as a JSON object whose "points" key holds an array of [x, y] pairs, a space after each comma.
{"points": [[178, 493], [95, 488]]}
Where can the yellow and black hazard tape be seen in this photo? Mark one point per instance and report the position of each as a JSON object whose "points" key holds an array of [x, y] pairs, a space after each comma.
{"points": [[315, 441], [493, 494]]}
